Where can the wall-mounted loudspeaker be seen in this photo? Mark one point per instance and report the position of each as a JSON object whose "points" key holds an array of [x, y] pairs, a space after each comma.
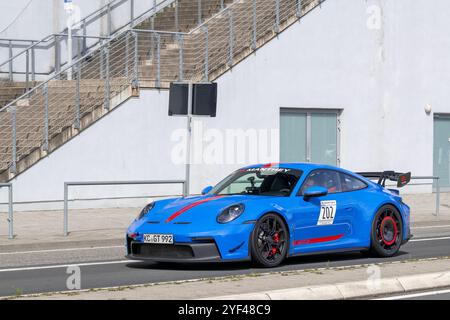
{"points": [[204, 99], [178, 99], [204, 102]]}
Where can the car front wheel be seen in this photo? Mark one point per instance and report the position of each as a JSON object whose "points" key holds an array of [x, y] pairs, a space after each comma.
{"points": [[270, 241]]}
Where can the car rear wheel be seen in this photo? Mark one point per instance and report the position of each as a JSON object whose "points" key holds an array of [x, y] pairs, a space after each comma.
{"points": [[270, 241], [387, 232]]}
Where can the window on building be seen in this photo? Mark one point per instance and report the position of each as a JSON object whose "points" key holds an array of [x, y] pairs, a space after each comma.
{"points": [[309, 136]]}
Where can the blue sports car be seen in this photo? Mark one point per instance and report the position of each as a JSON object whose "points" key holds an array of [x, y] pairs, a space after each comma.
{"points": [[267, 213]]}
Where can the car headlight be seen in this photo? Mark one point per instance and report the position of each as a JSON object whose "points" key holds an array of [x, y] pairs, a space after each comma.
{"points": [[146, 210], [231, 213]]}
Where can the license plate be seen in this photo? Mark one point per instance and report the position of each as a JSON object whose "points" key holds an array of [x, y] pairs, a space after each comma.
{"points": [[158, 238]]}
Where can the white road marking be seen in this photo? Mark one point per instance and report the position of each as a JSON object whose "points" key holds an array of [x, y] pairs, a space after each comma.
{"points": [[429, 239], [60, 250], [432, 227], [65, 266], [416, 295]]}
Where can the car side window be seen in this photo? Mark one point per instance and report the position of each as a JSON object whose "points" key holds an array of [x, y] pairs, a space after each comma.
{"points": [[350, 183], [328, 179]]}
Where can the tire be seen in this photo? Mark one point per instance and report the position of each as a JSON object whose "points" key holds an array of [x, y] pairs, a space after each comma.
{"points": [[387, 232], [269, 241]]}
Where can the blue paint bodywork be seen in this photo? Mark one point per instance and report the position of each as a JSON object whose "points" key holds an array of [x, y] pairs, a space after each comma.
{"points": [[353, 220]]}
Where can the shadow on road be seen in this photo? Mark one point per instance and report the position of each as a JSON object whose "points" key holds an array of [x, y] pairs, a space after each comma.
{"points": [[294, 263]]}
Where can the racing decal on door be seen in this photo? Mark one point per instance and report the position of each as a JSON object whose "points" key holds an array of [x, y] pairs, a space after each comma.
{"points": [[327, 212]]}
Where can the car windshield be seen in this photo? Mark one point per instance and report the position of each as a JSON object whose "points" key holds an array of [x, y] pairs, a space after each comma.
{"points": [[279, 182]]}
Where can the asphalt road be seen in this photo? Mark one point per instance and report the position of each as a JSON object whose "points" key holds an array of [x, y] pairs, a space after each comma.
{"points": [[105, 267]]}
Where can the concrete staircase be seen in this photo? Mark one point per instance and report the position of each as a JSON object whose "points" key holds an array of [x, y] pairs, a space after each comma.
{"points": [[68, 115], [9, 91]]}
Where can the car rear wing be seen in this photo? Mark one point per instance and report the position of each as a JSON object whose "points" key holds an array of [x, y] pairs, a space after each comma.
{"points": [[402, 179]]}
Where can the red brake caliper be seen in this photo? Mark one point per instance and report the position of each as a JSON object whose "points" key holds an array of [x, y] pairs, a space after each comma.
{"points": [[276, 239]]}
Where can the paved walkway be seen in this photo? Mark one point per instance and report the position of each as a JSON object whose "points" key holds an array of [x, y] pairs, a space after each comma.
{"points": [[44, 229]]}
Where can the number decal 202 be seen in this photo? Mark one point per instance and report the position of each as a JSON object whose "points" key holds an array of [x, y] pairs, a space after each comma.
{"points": [[327, 212]]}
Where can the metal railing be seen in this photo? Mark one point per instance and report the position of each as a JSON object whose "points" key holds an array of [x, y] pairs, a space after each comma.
{"points": [[10, 209], [218, 43], [109, 183], [32, 120], [50, 45], [436, 188], [28, 123]]}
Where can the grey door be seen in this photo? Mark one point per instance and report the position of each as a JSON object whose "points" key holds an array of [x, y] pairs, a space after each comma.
{"points": [[309, 136], [441, 157]]}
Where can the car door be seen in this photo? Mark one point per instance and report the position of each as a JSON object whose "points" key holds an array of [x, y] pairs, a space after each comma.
{"points": [[323, 223]]}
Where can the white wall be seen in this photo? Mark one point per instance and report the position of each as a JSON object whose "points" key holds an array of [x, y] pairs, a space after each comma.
{"points": [[381, 79]]}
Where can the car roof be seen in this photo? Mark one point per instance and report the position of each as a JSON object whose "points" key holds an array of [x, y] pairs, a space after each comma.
{"points": [[305, 167]]}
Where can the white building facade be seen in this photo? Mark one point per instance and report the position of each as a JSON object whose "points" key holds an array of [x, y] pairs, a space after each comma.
{"points": [[362, 84]]}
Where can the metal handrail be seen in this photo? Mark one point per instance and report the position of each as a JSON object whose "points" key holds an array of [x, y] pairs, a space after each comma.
{"points": [[107, 9], [109, 183], [10, 209], [56, 76]]}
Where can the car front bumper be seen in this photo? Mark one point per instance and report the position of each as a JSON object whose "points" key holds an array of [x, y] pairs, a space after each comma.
{"points": [[178, 252]]}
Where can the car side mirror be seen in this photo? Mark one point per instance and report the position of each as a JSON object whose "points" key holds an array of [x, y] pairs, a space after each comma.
{"points": [[315, 192], [207, 190]]}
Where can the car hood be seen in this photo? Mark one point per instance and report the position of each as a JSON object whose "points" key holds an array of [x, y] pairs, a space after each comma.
{"points": [[203, 208]]}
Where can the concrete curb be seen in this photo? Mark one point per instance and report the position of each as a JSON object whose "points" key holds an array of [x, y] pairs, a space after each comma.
{"points": [[351, 290]]}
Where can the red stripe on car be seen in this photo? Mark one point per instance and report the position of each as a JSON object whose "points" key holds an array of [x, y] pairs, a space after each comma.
{"points": [[318, 240], [192, 205]]}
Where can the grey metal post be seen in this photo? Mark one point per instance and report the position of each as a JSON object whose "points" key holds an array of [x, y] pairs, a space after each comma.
{"points": [[177, 26], [84, 37], [33, 63], [254, 25], [127, 54], [77, 99], [11, 78], [27, 70], [108, 12], [206, 53], [181, 57], [199, 11], [57, 55], [153, 16], [132, 13], [102, 61], [46, 121], [135, 82], [222, 5], [231, 39], [14, 139], [158, 60], [66, 211], [10, 213], [299, 8], [189, 138], [277, 16], [107, 78], [438, 196]]}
